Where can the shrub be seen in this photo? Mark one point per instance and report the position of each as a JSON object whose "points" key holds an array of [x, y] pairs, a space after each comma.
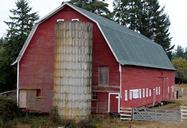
{"points": [[54, 116], [8, 109]]}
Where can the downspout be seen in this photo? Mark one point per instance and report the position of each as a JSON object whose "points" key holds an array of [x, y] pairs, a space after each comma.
{"points": [[120, 84], [17, 83]]}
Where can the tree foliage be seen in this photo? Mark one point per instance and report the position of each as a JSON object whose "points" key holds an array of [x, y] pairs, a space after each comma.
{"points": [[19, 26], [95, 6], [181, 66], [145, 17]]}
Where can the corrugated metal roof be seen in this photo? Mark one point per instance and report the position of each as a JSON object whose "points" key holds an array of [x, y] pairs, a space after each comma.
{"points": [[128, 47], [131, 48]]}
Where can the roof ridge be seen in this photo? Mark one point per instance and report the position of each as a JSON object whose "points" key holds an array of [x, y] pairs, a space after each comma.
{"points": [[120, 40], [133, 33]]}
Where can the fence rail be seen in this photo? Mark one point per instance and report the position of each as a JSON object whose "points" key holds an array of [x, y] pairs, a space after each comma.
{"points": [[156, 114], [183, 110], [146, 114], [126, 113], [7, 93]]}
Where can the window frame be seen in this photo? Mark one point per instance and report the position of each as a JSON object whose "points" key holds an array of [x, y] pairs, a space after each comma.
{"points": [[75, 20], [99, 73], [60, 20]]}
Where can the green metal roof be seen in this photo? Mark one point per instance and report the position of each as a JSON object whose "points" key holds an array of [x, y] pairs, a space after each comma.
{"points": [[130, 48], [127, 46]]}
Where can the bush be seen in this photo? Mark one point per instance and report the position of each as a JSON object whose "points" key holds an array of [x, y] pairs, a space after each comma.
{"points": [[8, 109], [54, 116]]}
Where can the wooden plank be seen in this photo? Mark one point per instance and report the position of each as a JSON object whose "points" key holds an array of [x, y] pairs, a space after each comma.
{"points": [[125, 115]]}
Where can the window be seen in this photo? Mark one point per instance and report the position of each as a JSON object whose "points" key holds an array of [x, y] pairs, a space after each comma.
{"points": [[130, 95], [75, 20], [143, 92], [158, 90], [147, 92], [134, 93], [38, 92], [126, 95], [94, 96], [60, 20], [103, 76], [150, 92], [140, 93]]}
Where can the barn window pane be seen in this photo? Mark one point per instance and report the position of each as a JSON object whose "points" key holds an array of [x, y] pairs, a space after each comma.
{"points": [[103, 76], [126, 95], [143, 92], [94, 95], [147, 92]]}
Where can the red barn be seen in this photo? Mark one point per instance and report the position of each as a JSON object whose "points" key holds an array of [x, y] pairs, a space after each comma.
{"points": [[126, 68]]}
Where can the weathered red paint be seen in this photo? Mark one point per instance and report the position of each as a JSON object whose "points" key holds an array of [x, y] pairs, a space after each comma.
{"points": [[134, 77], [114, 103], [37, 63]]}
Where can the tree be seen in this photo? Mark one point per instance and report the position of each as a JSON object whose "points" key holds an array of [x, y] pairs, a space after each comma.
{"points": [[22, 20], [181, 66], [145, 17], [185, 53], [179, 52], [95, 6], [19, 26]]}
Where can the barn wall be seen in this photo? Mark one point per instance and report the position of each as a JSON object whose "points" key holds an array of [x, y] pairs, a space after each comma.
{"points": [[37, 63], [138, 78]]}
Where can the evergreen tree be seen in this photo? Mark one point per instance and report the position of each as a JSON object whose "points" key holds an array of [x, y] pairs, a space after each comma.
{"points": [[22, 20], [145, 17], [19, 26], [95, 6], [179, 52], [185, 53]]}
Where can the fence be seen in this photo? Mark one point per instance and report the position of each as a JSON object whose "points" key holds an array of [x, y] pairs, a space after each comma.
{"points": [[11, 93], [183, 110], [150, 114], [156, 114], [126, 113]]}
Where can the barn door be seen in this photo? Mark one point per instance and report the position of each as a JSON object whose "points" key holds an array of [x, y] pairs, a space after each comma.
{"points": [[113, 102], [23, 99], [165, 91]]}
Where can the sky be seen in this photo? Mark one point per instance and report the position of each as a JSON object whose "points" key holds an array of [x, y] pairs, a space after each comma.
{"points": [[176, 10]]}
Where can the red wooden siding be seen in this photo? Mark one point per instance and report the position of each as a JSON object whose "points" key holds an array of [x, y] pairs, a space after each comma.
{"points": [[139, 77], [36, 65]]}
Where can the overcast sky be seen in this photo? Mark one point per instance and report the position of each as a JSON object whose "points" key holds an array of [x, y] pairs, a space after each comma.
{"points": [[176, 9]]}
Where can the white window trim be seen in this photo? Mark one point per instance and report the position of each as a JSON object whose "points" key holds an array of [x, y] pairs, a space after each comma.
{"points": [[159, 90], [126, 95], [150, 92], [60, 20], [143, 93], [74, 19], [140, 93], [147, 92]]}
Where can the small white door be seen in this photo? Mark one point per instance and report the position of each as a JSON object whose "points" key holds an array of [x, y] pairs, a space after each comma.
{"points": [[23, 99]]}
